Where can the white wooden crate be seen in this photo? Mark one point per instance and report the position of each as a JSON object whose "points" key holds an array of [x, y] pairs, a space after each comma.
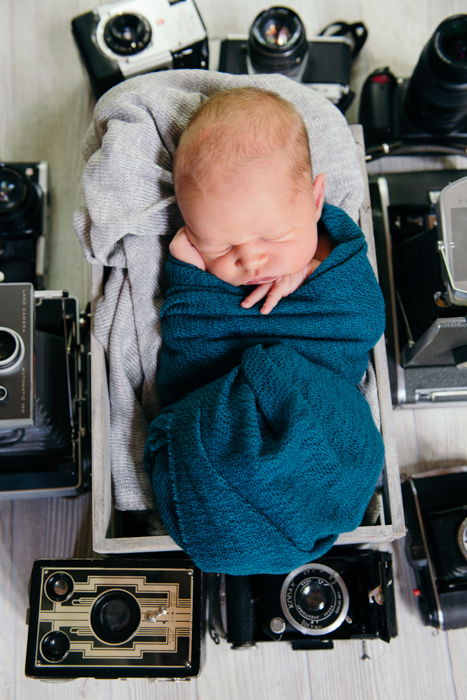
{"points": [[390, 525]]}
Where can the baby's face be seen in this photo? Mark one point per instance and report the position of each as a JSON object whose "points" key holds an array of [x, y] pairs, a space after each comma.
{"points": [[255, 227]]}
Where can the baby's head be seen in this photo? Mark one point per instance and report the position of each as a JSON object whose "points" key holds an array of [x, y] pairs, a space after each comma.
{"points": [[244, 185]]}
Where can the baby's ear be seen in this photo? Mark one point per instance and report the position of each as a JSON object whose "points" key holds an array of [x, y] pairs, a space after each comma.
{"points": [[318, 193]]}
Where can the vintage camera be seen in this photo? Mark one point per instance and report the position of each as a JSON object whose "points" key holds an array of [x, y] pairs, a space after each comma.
{"points": [[419, 224], [435, 505], [123, 39], [429, 109], [347, 594], [44, 426], [115, 618], [277, 43], [23, 210]]}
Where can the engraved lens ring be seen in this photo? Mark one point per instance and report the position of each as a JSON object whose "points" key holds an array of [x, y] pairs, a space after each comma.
{"points": [[314, 599]]}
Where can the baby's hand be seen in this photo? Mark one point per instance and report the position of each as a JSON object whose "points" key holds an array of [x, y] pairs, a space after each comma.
{"points": [[282, 287], [183, 249]]}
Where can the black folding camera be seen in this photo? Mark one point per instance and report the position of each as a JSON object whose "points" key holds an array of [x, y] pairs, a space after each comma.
{"points": [[435, 505], [277, 43], [430, 108], [23, 210], [115, 618], [347, 594], [123, 39], [420, 223], [44, 431]]}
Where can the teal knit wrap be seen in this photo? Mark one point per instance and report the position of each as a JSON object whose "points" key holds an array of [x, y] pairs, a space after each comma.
{"points": [[266, 450]]}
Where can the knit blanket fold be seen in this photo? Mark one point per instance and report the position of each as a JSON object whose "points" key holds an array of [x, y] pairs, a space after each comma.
{"points": [[266, 450]]}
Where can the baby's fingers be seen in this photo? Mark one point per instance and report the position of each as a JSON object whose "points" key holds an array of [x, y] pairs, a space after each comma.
{"points": [[272, 299], [256, 295]]}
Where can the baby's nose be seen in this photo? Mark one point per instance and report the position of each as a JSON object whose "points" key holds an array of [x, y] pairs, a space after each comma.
{"points": [[251, 259]]}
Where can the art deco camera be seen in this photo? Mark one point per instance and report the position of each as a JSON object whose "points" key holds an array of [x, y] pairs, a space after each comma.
{"points": [[23, 209], [277, 43], [115, 618], [435, 505], [428, 109], [44, 436], [123, 39], [347, 594]]}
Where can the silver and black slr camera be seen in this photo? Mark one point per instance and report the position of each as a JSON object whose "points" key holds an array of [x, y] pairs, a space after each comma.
{"points": [[277, 43], [429, 109], [347, 594], [435, 505], [123, 39], [44, 436], [23, 211]]}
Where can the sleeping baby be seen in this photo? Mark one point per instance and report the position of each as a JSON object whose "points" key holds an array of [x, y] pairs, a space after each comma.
{"points": [[243, 182], [266, 449]]}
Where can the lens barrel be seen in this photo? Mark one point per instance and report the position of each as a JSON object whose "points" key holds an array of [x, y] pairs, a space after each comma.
{"points": [[277, 41], [127, 34], [436, 97], [19, 201]]}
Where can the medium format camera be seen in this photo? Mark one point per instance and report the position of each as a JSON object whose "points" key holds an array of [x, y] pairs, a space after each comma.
{"points": [[44, 441], [23, 209], [430, 108], [435, 505], [123, 39], [113, 618], [420, 220], [347, 594], [277, 43]]}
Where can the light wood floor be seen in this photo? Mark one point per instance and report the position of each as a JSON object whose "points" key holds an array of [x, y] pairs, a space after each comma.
{"points": [[45, 106]]}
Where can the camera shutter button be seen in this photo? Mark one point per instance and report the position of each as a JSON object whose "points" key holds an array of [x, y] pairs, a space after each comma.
{"points": [[3, 393]]}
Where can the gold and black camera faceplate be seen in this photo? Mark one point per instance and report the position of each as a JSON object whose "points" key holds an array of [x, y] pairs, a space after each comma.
{"points": [[114, 619]]}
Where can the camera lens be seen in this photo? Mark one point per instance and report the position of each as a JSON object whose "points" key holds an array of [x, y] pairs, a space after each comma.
{"points": [[55, 646], [436, 96], [19, 201], [115, 616], [11, 348], [314, 599], [277, 41], [127, 34], [59, 586]]}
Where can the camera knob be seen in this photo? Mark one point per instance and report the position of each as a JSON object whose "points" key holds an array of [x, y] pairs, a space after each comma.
{"points": [[277, 625]]}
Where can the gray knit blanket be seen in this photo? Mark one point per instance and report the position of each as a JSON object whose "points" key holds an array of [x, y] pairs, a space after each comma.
{"points": [[129, 213]]}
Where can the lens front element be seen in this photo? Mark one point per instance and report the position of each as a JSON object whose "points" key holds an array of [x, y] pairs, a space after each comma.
{"points": [[127, 34]]}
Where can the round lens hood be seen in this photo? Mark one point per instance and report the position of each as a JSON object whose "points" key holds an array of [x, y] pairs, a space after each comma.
{"points": [[11, 348], [314, 599], [277, 41], [55, 646], [127, 34], [115, 616]]}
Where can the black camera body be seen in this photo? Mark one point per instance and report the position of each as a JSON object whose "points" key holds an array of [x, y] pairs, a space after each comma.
{"points": [[44, 412], [114, 618], [429, 108], [23, 212], [123, 39], [326, 66], [435, 506], [426, 325], [348, 594]]}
